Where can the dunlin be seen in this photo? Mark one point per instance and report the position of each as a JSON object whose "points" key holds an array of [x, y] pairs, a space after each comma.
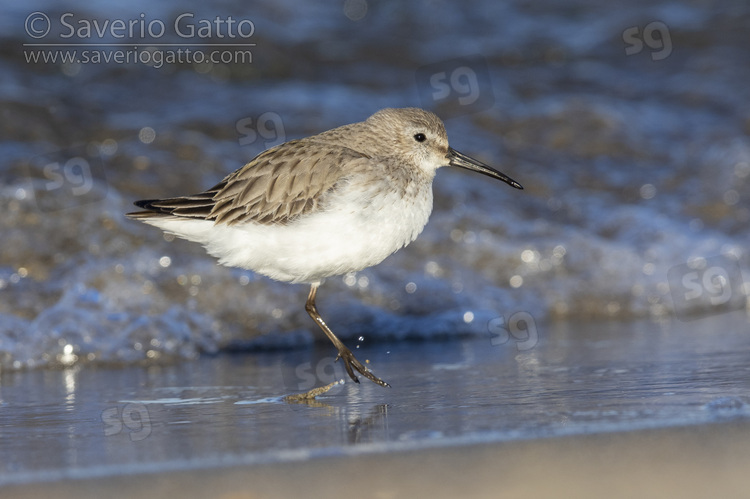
{"points": [[322, 206]]}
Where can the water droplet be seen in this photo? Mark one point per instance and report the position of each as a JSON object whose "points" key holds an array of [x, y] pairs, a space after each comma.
{"points": [[146, 135], [648, 191]]}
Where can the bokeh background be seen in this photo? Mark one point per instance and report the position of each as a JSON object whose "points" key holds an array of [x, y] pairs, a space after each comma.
{"points": [[627, 124]]}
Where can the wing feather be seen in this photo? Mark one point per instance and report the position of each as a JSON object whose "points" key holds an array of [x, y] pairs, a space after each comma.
{"points": [[277, 186]]}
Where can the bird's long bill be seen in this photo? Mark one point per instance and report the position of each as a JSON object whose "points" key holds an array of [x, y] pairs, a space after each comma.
{"points": [[463, 161]]}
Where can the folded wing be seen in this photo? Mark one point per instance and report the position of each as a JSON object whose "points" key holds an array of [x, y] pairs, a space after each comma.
{"points": [[277, 186]]}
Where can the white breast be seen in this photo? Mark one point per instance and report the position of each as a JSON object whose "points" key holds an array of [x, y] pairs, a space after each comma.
{"points": [[359, 228]]}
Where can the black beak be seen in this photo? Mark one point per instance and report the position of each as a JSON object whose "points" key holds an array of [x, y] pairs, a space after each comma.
{"points": [[455, 158]]}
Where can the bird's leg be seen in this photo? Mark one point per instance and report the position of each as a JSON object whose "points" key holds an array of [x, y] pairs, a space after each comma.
{"points": [[344, 353]]}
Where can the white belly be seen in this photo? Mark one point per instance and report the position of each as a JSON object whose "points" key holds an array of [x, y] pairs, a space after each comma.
{"points": [[357, 230]]}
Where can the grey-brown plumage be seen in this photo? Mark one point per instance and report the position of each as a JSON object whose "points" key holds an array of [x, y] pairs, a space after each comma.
{"points": [[290, 179], [336, 202], [278, 185]]}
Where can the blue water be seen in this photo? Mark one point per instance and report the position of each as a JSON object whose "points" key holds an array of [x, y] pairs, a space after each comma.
{"points": [[627, 124], [229, 409]]}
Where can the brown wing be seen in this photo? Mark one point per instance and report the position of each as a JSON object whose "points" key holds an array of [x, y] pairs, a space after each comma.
{"points": [[275, 187]]}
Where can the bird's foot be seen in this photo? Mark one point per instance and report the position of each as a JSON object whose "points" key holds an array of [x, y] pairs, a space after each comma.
{"points": [[351, 364]]}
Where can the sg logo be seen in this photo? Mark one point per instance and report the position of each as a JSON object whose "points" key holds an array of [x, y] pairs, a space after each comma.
{"points": [[75, 173], [307, 376], [655, 35], [520, 327], [456, 86], [134, 417], [706, 285], [269, 126], [69, 178]]}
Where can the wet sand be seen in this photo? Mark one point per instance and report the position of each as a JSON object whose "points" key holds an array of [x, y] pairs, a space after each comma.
{"points": [[694, 461], [591, 410]]}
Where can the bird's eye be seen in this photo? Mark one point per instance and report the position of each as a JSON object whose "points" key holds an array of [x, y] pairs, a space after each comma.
{"points": [[420, 137]]}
